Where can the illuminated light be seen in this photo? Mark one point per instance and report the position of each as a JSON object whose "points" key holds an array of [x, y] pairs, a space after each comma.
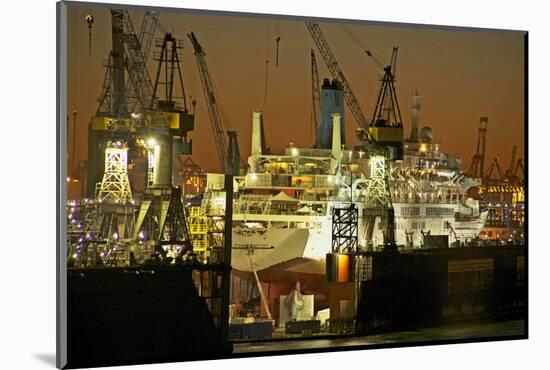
{"points": [[253, 176], [75, 255], [141, 235], [68, 179], [151, 142], [115, 235], [294, 152], [330, 179]]}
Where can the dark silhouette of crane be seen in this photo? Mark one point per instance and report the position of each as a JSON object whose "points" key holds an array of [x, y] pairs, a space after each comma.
{"points": [[213, 112], [337, 74], [476, 167], [315, 95]]}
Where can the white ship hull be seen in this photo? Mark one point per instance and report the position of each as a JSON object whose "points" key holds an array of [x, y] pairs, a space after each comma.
{"points": [[312, 240]]}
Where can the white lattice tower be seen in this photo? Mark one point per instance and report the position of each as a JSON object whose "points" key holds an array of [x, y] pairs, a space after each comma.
{"points": [[115, 186], [377, 194]]}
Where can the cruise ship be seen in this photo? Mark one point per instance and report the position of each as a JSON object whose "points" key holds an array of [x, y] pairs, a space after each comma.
{"points": [[283, 205]]}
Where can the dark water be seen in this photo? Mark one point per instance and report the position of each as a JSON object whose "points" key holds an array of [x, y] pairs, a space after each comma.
{"points": [[444, 332]]}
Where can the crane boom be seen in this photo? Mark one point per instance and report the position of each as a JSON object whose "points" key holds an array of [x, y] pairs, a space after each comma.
{"points": [[337, 74], [147, 31], [315, 91], [145, 38], [213, 112], [136, 64], [143, 45]]}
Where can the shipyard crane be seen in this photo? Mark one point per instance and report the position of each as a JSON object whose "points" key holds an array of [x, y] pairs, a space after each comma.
{"points": [[131, 52], [384, 143], [113, 118], [476, 167], [495, 164], [383, 137], [337, 74], [145, 38], [135, 62], [213, 112], [386, 112], [169, 59], [510, 171], [315, 92], [518, 167]]}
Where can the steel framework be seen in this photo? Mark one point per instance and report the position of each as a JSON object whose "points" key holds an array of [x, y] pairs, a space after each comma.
{"points": [[136, 44], [115, 186], [145, 38], [377, 191], [344, 229], [387, 105], [169, 58], [135, 62]]}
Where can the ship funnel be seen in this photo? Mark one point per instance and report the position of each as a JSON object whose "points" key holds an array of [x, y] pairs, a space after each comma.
{"points": [[332, 101], [336, 141], [257, 145]]}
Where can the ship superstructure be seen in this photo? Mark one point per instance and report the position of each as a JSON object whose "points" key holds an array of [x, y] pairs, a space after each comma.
{"points": [[287, 199]]}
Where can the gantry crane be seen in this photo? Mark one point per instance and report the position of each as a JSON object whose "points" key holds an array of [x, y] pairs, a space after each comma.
{"points": [[476, 168], [161, 220], [115, 117], [213, 112]]}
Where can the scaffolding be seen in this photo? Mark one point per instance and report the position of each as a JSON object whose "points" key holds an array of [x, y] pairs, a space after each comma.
{"points": [[206, 232]]}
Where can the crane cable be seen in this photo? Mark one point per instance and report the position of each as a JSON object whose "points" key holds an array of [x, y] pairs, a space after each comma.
{"points": [[266, 79], [267, 29], [277, 40], [363, 47]]}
